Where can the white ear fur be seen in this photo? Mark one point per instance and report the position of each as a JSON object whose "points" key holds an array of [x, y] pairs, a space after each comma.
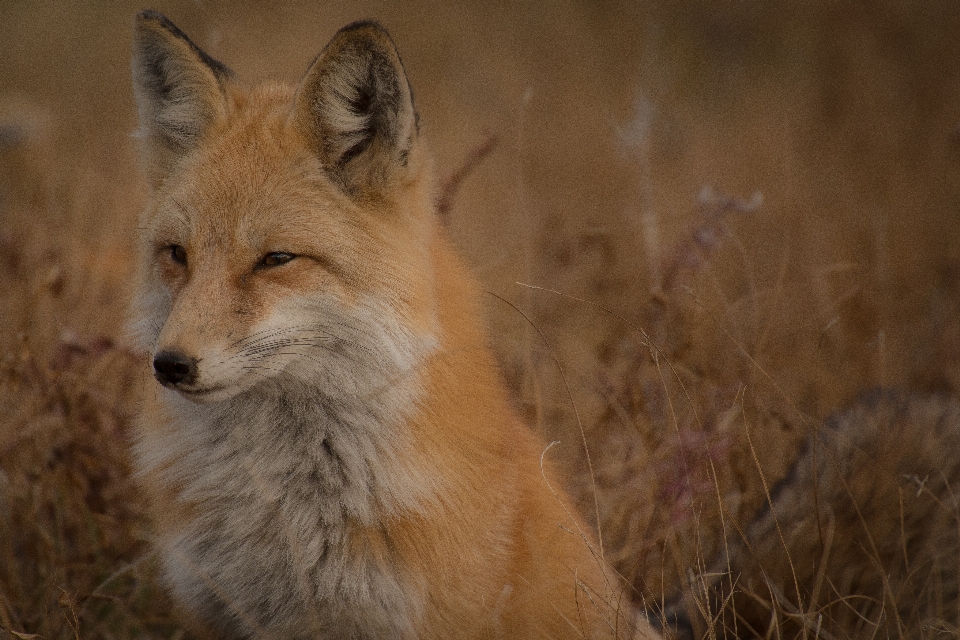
{"points": [[355, 106], [179, 91]]}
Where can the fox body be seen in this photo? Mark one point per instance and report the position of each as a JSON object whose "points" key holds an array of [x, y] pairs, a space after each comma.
{"points": [[331, 452]]}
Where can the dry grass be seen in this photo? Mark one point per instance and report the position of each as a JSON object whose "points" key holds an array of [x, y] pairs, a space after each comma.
{"points": [[702, 341], [73, 558]]}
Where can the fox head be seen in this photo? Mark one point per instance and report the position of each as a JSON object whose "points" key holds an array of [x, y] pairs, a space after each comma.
{"points": [[287, 232]]}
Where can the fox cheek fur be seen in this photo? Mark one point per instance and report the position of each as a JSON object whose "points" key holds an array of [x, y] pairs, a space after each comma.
{"points": [[213, 343]]}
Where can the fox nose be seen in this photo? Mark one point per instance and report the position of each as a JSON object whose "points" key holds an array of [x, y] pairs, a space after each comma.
{"points": [[172, 368]]}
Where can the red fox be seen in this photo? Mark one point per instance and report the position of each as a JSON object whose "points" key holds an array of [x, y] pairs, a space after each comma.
{"points": [[330, 451]]}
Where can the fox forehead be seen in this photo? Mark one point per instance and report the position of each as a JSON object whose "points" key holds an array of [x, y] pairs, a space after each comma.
{"points": [[251, 182]]}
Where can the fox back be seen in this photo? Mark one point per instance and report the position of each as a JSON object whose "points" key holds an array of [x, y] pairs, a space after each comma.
{"points": [[330, 451]]}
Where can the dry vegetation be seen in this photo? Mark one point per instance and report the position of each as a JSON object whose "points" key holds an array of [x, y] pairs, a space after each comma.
{"points": [[696, 339]]}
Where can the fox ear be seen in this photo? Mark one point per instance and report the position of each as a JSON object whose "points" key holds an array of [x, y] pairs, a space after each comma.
{"points": [[179, 91], [355, 106]]}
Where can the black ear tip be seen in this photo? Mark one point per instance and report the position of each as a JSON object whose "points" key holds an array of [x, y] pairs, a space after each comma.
{"points": [[150, 16], [370, 30], [365, 25], [155, 21]]}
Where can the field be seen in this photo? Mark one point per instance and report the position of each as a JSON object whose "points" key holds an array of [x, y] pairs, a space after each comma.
{"points": [[704, 228]]}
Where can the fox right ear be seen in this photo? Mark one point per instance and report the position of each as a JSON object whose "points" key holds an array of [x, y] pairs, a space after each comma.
{"points": [[356, 109], [179, 91]]}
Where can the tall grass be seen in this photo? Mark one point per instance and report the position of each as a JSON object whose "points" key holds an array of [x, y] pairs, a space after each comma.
{"points": [[703, 342]]}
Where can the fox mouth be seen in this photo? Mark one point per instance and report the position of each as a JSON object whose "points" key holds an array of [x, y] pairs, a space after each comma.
{"points": [[194, 393], [204, 395], [199, 393]]}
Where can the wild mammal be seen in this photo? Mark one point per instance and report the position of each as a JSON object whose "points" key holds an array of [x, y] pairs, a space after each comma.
{"points": [[331, 452]]}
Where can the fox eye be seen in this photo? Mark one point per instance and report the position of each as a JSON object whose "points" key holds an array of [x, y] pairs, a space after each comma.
{"points": [[276, 258], [178, 254]]}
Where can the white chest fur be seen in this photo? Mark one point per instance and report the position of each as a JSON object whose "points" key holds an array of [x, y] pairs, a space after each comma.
{"points": [[275, 478], [277, 482]]}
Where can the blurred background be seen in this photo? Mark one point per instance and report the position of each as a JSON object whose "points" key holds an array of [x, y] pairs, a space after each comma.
{"points": [[735, 214]]}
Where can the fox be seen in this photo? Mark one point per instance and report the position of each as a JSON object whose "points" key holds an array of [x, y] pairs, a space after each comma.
{"points": [[326, 445], [860, 539]]}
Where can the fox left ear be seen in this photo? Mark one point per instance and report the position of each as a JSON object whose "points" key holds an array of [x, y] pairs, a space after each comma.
{"points": [[179, 91], [356, 108]]}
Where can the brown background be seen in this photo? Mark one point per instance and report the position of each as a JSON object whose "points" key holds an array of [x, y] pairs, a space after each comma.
{"points": [[609, 118]]}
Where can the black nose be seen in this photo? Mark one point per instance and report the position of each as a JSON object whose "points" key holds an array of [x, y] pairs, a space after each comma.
{"points": [[172, 368]]}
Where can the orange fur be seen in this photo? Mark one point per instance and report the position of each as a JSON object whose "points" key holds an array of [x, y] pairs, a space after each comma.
{"points": [[333, 452]]}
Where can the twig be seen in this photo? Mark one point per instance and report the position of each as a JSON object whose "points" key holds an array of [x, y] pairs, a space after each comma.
{"points": [[450, 184], [703, 238]]}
